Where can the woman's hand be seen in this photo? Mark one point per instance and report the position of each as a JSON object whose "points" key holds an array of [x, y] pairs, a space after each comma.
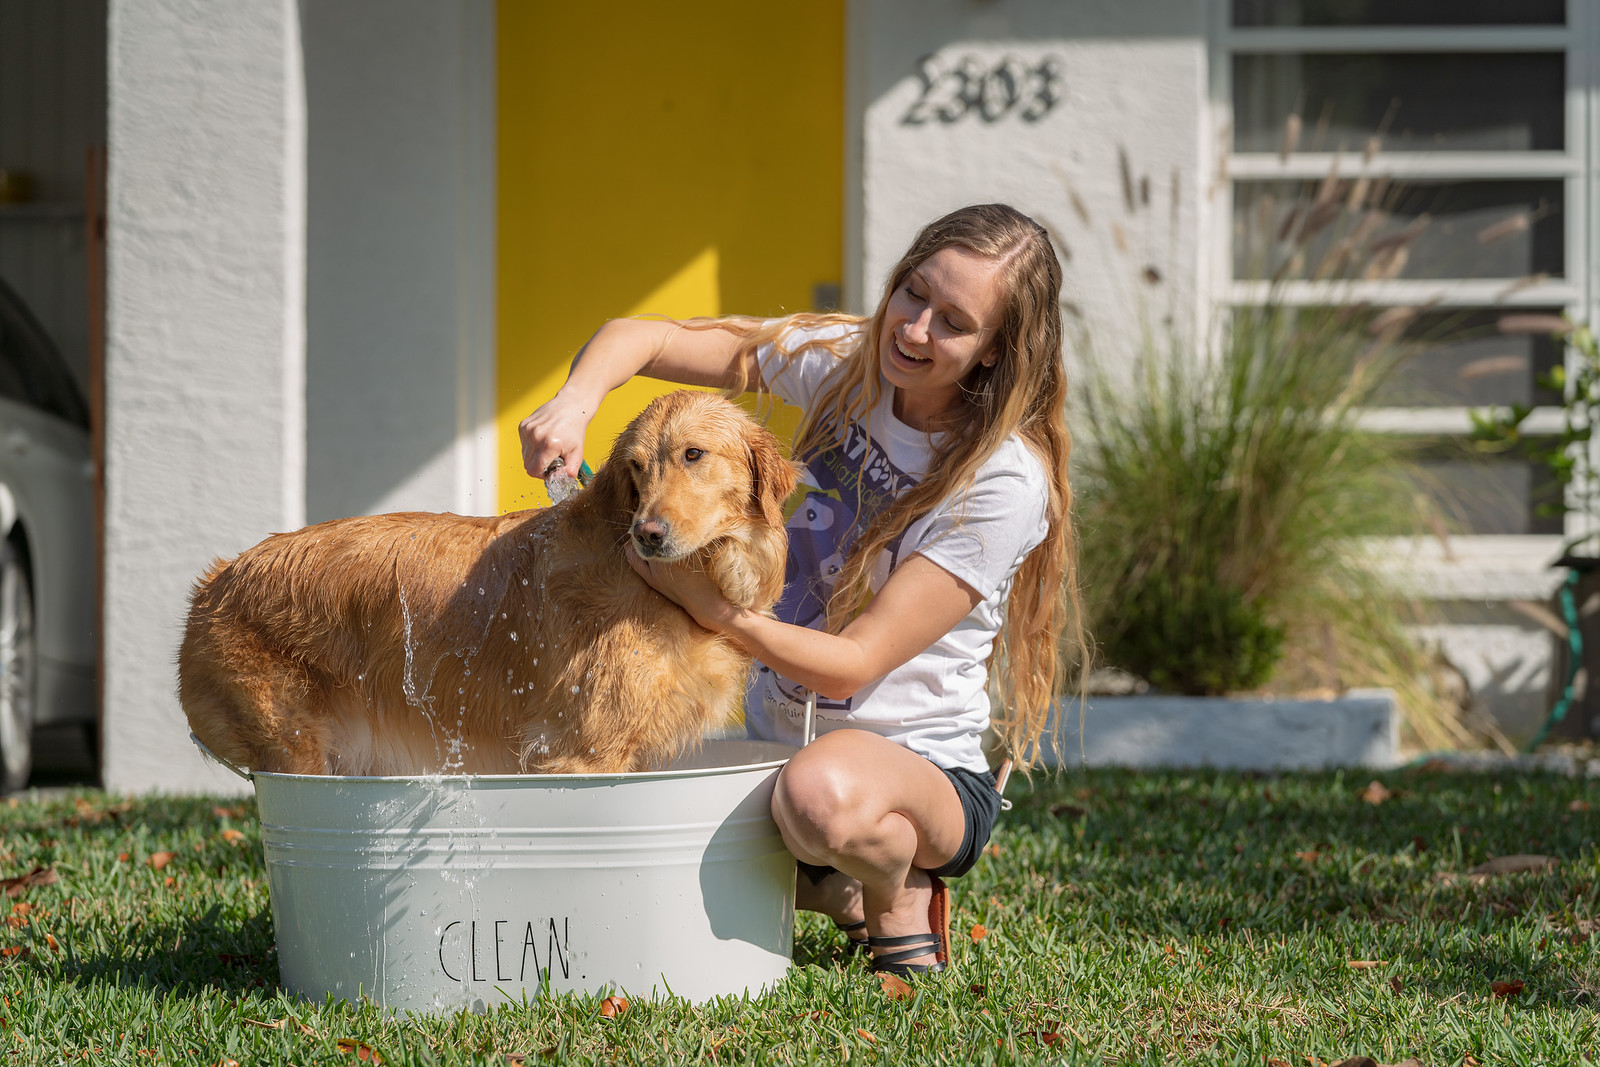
{"points": [[688, 587], [552, 437], [620, 349]]}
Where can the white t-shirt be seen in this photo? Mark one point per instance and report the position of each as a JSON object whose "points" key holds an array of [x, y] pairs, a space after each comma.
{"points": [[937, 704]]}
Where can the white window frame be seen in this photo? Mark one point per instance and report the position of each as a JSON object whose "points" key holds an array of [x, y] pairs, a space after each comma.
{"points": [[1467, 566]]}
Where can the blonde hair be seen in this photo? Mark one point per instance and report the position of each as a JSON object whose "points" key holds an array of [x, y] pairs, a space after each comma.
{"points": [[1024, 393]]}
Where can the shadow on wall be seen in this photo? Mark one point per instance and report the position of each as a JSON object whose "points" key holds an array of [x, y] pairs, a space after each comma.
{"points": [[392, 182], [1505, 658]]}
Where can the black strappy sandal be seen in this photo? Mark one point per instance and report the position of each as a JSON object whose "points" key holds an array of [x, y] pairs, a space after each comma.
{"points": [[853, 945], [910, 946]]}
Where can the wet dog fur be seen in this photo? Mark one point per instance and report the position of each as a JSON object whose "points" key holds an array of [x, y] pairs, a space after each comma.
{"points": [[418, 643]]}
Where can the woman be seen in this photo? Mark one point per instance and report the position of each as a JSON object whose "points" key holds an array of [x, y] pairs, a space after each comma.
{"points": [[931, 550]]}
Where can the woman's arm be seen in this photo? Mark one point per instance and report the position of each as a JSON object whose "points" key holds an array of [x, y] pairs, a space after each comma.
{"points": [[920, 603], [619, 350]]}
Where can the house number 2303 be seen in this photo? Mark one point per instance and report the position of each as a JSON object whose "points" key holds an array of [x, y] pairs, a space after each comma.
{"points": [[953, 90]]}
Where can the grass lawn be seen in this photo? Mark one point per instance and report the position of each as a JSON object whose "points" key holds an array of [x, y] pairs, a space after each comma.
{"points": [[1128, 918]]}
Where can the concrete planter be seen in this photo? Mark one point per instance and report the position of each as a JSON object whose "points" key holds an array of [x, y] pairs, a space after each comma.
{"points": [[1359, 729]]}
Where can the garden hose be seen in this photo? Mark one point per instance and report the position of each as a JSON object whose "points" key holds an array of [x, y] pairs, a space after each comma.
{"points": [[1569, 613]]}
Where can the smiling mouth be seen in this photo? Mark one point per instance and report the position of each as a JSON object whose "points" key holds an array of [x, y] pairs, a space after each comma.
{"points": [[904, 354]]}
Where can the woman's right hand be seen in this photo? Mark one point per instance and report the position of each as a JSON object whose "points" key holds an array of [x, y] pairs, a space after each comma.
{"points": [[552, 437]]}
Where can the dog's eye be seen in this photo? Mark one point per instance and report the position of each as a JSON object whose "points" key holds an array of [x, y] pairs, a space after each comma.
{"points": [[692, 454], [638, 468]]}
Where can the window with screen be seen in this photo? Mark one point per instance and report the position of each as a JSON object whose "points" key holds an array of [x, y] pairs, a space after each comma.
{"points": [[1458, 130]]}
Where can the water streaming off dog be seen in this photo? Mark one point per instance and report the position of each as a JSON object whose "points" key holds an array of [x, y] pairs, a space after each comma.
{"points": [[490, 592]]}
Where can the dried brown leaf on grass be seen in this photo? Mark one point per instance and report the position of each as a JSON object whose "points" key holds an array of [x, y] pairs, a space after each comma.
{"points": [[1522, 863], [895, 988], [1507, 989], [611, 1007], [39, 876], [1518, 864], [283, 1024], [1365, 965], [158, 860], [1376, 792], [359, 1049], [87, 811]]}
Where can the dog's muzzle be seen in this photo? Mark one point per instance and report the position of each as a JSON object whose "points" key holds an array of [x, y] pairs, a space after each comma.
{"points": [[651, 537]]}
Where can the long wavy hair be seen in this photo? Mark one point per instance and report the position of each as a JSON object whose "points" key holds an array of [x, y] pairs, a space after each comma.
{"points": [[1023, 393]]}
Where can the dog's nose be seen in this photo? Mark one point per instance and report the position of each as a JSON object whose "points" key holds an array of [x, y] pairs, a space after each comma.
{"points": [[651, 533]]}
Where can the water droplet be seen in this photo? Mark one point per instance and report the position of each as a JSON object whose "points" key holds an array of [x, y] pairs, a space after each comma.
{"points": [[513, 635], [574, 689], [480, 590]]}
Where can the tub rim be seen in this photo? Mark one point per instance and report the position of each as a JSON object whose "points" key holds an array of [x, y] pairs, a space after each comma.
{"points": [[467, 780]]}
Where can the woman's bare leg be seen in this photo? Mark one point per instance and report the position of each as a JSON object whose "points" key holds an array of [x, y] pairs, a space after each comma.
{"points": [[879, 813]]}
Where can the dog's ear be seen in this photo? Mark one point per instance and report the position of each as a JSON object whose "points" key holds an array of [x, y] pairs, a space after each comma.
{"points": [[772, 475], [612, 486]]}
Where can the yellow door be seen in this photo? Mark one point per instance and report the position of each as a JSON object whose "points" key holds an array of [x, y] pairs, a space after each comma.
{"points": [[678, 159]]}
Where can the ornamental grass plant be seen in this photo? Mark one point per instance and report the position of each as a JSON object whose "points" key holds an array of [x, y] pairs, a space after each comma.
{"points": [[1224, 493], [1229, 488], [1226, 501]]}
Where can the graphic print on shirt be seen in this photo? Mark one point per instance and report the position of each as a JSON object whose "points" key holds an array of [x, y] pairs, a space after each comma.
{"points": [[842, 489]]}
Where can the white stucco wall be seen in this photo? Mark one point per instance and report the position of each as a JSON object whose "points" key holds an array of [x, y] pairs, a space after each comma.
{"points": [[205, 394], [1129, 84], [400, 256]]}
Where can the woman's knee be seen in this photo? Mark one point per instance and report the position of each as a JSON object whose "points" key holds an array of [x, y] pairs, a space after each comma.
{"points": [[819, 798]]}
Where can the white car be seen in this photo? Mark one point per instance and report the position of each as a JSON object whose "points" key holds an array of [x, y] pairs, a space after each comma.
{"points": [[47, 543]]}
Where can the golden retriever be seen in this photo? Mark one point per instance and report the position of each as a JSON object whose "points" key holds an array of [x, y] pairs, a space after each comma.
{"points": [[418, 643]]}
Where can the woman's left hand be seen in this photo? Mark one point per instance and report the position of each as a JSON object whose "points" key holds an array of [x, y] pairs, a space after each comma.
{"points": [[688, 587]]}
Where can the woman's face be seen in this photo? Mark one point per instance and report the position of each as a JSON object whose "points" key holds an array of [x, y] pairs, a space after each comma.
{"points": [[939, 324]]}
